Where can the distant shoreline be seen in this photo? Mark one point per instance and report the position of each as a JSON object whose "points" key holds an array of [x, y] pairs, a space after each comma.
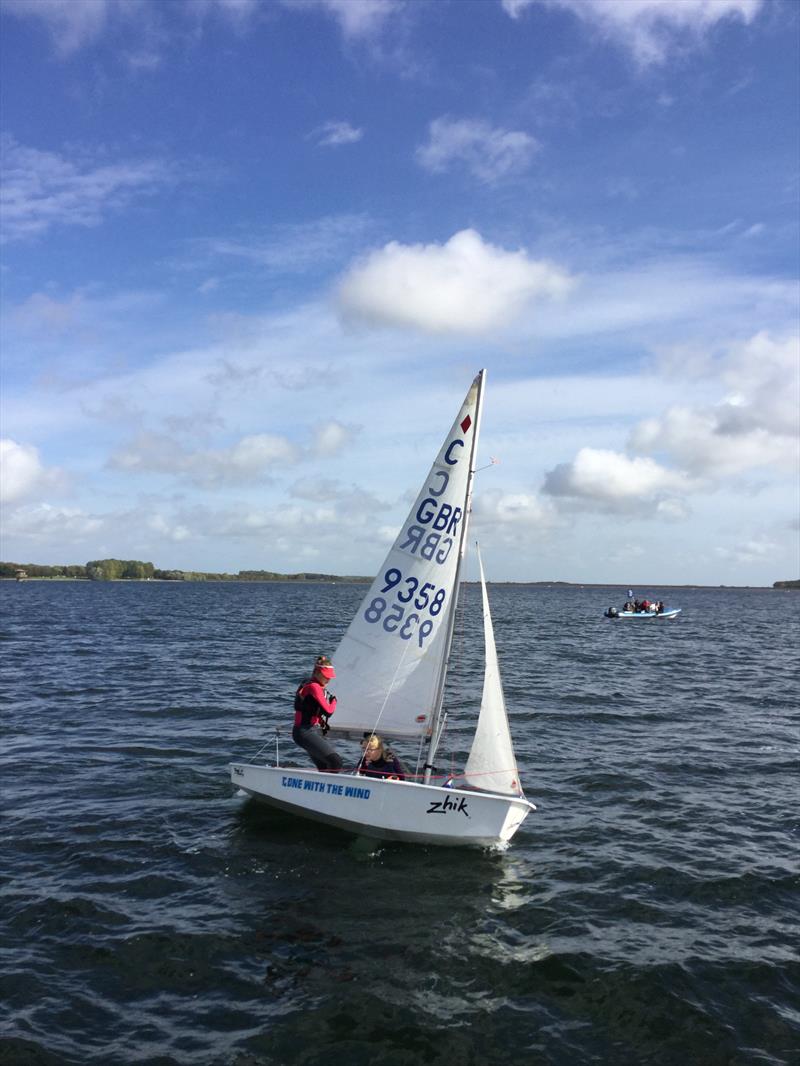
{"points": [[105, 570], [783, 586]]}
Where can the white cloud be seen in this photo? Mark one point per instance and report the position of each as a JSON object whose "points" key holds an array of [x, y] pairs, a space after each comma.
{"points": [[22, 472], [56, 525], [72, 24], [755, 550], [76, 24], [251, 456], [756, 425], [515, 7], [696, 438], [290, 249], [614, 481], [464, 286], [249, 459], [357, 19], [42, 314], [488, 153], [649, 28], [673, 509], [20, 468], [237, 10], [331, 437], [43, 189], [334, 134], [171, 531], [495, 509]]}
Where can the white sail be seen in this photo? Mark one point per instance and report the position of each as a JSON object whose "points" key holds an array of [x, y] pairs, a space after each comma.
{"points": [[389, 663], [491, 764]]}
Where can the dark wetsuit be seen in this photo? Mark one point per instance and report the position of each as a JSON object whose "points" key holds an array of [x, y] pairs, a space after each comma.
{"points": [[386, 767], [310, 703]]}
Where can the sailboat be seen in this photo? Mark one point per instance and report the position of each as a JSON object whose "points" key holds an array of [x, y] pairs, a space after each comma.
{"points": [[391, 666]]}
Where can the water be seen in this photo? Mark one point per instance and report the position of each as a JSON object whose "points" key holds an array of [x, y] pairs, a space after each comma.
{"points": [[647, 913]]}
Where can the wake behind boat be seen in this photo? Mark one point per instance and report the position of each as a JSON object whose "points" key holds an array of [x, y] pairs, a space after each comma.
{"points": [[391, 666]]}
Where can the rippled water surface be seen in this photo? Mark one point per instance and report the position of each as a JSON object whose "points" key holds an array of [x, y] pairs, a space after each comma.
{"points": [[647, 913]]}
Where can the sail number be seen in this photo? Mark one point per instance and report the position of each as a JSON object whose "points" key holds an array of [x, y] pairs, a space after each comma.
{"points": [[411, 597]]}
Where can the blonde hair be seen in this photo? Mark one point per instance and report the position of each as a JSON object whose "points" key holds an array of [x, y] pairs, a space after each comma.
{"points": [[373, 743]]}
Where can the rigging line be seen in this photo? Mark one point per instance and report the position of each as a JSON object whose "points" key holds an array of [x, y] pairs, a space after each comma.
{"points": [[389, 690], [264, 746], [492, 462]]}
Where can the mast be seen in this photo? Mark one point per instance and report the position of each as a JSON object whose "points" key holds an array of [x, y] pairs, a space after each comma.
{"points": [[438, 717]]}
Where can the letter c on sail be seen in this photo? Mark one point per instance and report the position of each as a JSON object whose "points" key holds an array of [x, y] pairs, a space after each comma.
{"points": [[451, 445], [446, 478]]}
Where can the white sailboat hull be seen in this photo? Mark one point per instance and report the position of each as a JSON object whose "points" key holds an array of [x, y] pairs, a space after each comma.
{"points": [[384, 809]]}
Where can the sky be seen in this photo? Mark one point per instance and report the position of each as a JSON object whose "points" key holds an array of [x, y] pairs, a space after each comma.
{"points": [[253, 254]]}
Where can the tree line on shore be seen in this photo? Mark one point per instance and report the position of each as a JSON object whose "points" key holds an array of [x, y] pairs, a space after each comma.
{"points": [[136, 570]]}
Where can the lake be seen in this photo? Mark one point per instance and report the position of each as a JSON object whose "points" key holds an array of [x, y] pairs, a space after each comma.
{"points": [[648, 912]]}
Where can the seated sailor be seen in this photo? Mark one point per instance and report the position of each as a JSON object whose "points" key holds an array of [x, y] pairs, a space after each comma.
{"points": [[378, 761]]}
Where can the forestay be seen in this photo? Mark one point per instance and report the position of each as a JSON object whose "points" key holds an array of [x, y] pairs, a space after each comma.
{"points": [[390, 662]]}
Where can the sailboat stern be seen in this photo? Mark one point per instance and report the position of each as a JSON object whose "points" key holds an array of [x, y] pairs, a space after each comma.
{"points": [[515, 816]]}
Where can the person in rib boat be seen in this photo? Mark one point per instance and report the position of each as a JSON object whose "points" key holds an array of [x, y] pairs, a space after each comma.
{"points": [[313, 706]]}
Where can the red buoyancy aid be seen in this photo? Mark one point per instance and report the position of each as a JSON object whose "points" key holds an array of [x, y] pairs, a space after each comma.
{"points": [[310, 701]]}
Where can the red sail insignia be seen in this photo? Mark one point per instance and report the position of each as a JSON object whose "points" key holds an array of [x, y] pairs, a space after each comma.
{"points": [[466, 424]]}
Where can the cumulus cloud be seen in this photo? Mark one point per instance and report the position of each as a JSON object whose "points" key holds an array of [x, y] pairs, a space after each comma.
{"points": [[44, 522], [335, 134], [754, 550], [331, 437], [649, 28], [464, 286], [22, 472], [496, 509], [598, 476], [488, 153], [252, 459], [249, 459], [169, 530], [699, 440], [43, 189], [756, 425]]}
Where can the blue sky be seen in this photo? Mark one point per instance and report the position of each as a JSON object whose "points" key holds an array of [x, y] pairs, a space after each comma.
{"points": [[253, 254]]}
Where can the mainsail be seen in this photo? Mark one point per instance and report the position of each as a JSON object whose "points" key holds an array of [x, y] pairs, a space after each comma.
{"points": [[391, 661], [491, 764]]}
